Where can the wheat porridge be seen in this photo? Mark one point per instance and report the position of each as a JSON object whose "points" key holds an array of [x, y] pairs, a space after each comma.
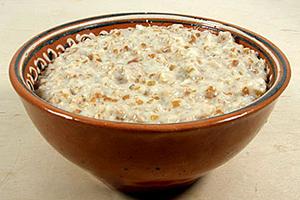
{"points": [[154, 74]]}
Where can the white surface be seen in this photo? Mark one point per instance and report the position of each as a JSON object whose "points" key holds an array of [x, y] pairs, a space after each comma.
{"points": [[269, 168]]}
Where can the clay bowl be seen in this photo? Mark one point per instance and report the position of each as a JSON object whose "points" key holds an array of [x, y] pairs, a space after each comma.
{"points": [[137, 157]]}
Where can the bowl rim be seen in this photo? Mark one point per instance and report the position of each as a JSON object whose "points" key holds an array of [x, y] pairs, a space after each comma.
{"points": [[164, 127]]}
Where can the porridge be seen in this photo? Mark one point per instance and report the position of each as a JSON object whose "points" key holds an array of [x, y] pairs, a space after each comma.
{"points": [[154, 74]]}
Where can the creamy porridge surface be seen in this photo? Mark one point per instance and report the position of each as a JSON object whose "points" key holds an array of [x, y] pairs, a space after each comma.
{"points": [[154, 75]]}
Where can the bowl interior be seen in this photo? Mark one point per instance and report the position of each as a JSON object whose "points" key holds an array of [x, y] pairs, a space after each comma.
{"points": [[32, 59]]}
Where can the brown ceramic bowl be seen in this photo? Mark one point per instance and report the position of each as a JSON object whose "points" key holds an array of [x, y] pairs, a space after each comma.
{"points": [[135, 157]]}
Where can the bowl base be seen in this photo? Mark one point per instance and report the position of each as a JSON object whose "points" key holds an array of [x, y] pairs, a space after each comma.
{"points": [[151, 190]]}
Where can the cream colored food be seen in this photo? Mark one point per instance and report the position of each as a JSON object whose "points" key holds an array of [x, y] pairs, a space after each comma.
{"points": [[154, 75]]}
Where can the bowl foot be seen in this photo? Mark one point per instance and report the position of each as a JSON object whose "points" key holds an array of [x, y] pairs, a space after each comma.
{"points": [[157, 191]]}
